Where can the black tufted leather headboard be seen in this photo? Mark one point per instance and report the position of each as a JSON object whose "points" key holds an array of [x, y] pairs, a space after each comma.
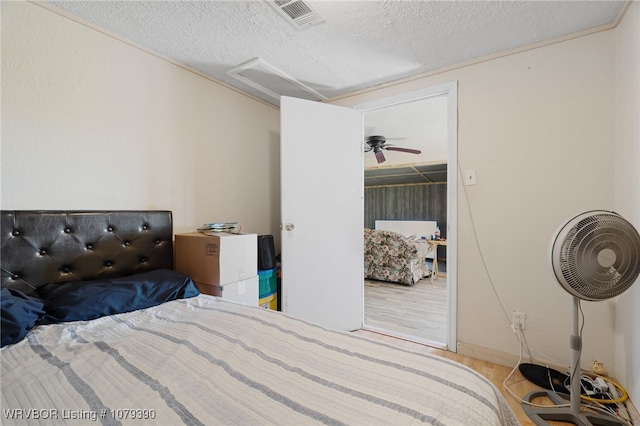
{"points": [[40, 247]]}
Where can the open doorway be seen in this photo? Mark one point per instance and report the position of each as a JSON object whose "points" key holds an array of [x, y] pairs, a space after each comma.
{"points": [[410, 187], [411, 201]]}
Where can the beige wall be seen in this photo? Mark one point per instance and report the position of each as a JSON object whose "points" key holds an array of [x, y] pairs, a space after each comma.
{"points": [[627, 187], [89, 122], [538, 126]]}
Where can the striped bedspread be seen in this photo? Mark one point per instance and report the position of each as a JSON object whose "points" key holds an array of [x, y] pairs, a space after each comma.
{"points": [[206, 361]]}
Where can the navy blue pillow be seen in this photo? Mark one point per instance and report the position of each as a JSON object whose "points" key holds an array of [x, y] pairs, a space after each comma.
{"points": [[20, 313], [86, 300]]}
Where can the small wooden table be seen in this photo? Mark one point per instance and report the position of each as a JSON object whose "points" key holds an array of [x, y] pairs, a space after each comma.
{"points": [[434, 245]]}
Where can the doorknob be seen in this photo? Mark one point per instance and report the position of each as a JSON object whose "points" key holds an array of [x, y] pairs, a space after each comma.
{"points": [[289, 227]]}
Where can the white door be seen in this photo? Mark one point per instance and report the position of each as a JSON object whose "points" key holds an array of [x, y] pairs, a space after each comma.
{"points": [[321, 155]]}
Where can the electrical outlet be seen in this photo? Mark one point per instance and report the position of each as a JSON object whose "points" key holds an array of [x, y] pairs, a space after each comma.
{"points": [[518, 321]]}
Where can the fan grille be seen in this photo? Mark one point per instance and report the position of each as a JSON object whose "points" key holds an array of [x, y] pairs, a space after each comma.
{"points": [[596, 255]]}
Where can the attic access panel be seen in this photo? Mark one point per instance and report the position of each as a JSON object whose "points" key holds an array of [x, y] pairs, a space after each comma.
{"points": [[273, 82]]}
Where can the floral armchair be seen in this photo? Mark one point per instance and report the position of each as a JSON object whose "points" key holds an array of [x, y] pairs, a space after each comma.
{"points": [[389, 256]]}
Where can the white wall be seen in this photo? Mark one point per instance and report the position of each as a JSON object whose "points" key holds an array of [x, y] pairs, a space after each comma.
{"points": [[538, 126], [89, 122], [627, 187]]}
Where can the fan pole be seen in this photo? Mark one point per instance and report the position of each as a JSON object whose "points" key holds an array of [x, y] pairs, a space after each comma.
{"points": [[576, 348], [560, 412]]}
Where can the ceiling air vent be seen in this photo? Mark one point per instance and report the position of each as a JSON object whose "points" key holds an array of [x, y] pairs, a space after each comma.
{"points": [[298, 13]]}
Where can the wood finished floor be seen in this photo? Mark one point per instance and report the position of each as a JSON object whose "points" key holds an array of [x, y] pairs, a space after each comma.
{"points": [[494, 372], [414, 317], [417, 312]]}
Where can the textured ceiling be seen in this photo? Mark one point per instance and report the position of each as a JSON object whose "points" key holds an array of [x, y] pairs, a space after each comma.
{"points": [[360, 44]]}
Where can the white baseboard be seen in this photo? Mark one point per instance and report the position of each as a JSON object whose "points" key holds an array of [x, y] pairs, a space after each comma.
{"points": [[487, 354], [497, 357]]}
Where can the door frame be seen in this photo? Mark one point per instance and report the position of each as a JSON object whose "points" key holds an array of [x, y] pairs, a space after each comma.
{"points": [[450, 90]]}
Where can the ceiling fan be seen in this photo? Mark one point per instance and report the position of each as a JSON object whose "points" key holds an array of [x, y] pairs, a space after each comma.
{"points": [[378, 143]]}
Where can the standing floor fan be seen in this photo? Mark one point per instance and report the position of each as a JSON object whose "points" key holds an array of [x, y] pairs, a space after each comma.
{"points": [[595, 256]]}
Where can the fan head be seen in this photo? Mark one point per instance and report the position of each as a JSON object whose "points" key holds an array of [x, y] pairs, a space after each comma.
{"points": [[596, 255]]}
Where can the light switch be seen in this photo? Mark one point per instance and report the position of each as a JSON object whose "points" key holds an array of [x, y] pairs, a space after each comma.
{"points": [[470, 177]]}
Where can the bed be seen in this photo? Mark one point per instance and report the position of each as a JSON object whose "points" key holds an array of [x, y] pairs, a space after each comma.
{"points": [[195, 359]]}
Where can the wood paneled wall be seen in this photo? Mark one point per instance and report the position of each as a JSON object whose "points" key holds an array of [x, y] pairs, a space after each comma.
{"points": [[406, 202]]}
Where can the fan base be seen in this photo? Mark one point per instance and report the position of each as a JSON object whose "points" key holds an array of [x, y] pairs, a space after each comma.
{"points": [[538, 415]]}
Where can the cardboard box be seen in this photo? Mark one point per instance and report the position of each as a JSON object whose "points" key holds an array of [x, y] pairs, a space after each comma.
{"points": [[245, 291], [216, 260]]}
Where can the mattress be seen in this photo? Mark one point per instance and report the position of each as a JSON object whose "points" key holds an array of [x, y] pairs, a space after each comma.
{"points": [[207, 361]]}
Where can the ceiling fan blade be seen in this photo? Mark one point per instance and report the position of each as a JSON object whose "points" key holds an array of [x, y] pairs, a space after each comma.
{"points": [[380, 156], [368, 149], [409, 150]]}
